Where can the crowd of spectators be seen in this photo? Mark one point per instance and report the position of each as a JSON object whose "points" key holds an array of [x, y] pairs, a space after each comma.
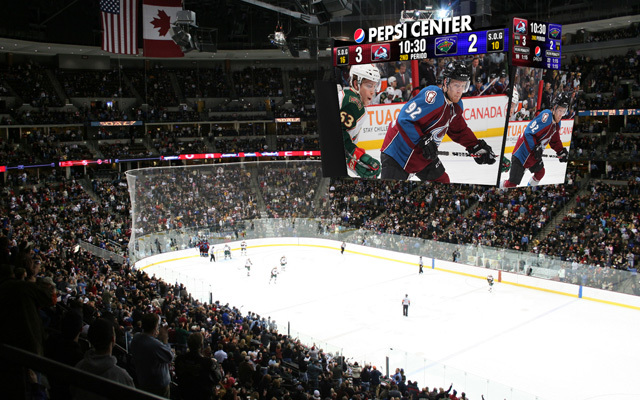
{"points": [[203, 82], [298, 143], [192, 197], [30, 82], [154, 86], [601, 229], [123, 149], [258, 82], [95, 83], [289, 192], [237, 145], [631, 31]]}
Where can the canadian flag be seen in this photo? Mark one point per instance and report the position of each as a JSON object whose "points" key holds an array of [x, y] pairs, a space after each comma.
{"points": [[157, 18]]}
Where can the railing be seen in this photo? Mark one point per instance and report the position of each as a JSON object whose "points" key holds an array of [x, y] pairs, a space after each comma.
{"points": [[102, 253], [74, 377]]}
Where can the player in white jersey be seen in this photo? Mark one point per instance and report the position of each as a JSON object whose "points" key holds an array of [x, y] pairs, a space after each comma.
{"points": [[274, 275], [227, 251], [243, 248], [248, 265], [490, 282], [283, 262]]}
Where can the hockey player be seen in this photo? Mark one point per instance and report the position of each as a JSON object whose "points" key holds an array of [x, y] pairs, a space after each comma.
{"points": [[212, 254], [411, 143], [283, 262], [490, 282], [274, 275], [243, 248], [227, 251], [342, 247], [500, 86], [420, 264], [248, 265], [542, 130], [363, 80]]}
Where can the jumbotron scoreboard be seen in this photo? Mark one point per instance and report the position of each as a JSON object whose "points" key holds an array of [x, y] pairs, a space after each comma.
{"points": [[536, 44], [418, 48], [531, 43]]}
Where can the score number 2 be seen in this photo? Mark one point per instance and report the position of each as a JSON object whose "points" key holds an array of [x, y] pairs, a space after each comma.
{"points": [[473, 41]]}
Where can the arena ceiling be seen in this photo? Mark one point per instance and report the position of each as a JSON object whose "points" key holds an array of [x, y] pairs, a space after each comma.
{"points": [[49, 27]]}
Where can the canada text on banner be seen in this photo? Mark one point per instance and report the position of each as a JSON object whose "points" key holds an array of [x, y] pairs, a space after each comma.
{"points": [[119, 26], [157, 19]]}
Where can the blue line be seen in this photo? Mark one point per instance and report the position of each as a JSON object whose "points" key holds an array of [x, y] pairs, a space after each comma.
{"points": [[580, 292], [433, 263]]}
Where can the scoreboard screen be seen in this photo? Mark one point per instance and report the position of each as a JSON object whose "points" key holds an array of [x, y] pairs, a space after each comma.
{"points": [[457, 44], [536, 44]]}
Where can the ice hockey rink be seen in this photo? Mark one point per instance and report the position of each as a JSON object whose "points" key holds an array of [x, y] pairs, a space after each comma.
{"points": [[512, 343]]}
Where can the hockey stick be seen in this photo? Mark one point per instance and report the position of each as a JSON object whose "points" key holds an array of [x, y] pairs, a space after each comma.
{"points": [[488, 86], [456, 154]]}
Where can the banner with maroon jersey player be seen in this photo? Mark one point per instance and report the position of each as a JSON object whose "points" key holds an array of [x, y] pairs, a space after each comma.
{"points": [[540, 127]]}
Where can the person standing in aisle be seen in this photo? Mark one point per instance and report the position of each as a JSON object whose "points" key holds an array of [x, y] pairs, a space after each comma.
{"points": [[405, 305]]}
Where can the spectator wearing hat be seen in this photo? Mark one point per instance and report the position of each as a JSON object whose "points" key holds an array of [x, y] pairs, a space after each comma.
{"points": [[375, 379], [99, 361]]}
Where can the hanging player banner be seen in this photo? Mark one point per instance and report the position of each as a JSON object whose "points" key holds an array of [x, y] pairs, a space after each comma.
{"points": [[539, 132]]}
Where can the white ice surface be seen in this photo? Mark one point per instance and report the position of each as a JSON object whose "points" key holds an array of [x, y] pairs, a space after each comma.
{"points": [[543, 345]]}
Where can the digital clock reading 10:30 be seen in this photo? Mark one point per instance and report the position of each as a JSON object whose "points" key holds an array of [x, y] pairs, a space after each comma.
{"points": [[413, 46]]}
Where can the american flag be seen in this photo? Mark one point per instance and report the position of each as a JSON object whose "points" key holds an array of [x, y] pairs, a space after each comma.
{"points": [[119, 26]]}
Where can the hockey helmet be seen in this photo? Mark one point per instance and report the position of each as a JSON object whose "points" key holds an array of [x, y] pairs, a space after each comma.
{"points": [[458, 71], [364, 71], [503, 74], [562, 100]]}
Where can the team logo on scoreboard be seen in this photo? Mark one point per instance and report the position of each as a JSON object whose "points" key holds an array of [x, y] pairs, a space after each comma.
{"points": [[380, 52], [446, 45], [520, 26], [359, 35], [555, 31]]}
